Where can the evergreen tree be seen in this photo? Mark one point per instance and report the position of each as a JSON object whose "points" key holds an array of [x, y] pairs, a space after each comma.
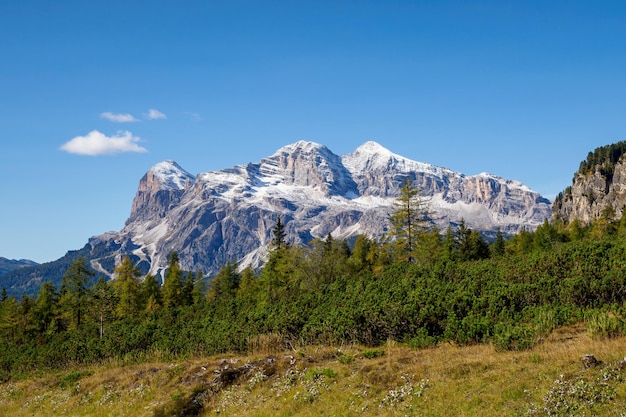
{"points": [[46, 307], [278, 241], [498, 246], [74, 292], [450, 244], [189, 284], [225, 284]]}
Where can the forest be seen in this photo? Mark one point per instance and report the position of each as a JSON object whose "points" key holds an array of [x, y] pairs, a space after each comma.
{"points": [[418, 286]]}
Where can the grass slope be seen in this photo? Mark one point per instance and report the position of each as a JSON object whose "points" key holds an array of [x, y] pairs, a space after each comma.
{"points": [[393, 380]]}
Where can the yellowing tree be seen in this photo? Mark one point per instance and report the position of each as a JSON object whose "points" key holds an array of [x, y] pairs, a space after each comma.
{"points": [[127, 288]]}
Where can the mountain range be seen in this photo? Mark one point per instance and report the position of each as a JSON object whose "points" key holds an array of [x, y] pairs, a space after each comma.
{"points": [[226, 215]]}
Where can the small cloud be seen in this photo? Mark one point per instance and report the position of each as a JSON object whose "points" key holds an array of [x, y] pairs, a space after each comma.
{"points": [[118, 117], [154, 114], [97, 143], [194, 116]]}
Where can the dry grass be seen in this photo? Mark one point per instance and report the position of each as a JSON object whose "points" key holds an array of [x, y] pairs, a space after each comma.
{"points": [[329, 381]]}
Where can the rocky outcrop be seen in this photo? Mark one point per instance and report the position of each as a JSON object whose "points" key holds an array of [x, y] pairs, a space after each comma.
{"points": [[591, 193]]}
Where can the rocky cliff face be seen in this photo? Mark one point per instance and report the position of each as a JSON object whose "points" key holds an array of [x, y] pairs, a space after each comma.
{"points": [[591, 193], [227, 215]]}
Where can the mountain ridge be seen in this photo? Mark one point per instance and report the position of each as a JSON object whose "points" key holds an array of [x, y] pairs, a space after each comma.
{"points": [[228, 215], [317, 192]]}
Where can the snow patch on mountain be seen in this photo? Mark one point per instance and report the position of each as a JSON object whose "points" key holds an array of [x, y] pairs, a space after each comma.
{"points": [[171, 175]]}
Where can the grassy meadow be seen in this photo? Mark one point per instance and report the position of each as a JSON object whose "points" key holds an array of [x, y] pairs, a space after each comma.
{"points": [[392, 380]]}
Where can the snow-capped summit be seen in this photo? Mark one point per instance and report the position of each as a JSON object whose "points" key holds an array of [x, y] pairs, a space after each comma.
{"points": [[171, 175], [372, 156]]}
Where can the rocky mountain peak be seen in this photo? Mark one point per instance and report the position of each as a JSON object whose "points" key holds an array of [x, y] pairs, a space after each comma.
{"points": [[169, 175], [159, 190], [307, 164]]}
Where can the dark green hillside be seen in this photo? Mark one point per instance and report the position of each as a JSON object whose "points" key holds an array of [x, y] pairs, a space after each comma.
{"points": [[28, 280], [8, 265]]}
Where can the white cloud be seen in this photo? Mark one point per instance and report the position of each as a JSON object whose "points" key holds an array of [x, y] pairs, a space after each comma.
{"points": [[154, 114], [97, 143], [118, 117]]}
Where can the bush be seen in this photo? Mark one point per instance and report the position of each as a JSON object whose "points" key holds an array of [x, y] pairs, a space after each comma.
{"points": [[373, 353]]}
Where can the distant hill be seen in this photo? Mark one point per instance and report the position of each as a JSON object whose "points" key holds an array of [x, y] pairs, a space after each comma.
{"points": [[27, 279], [8, 265]]}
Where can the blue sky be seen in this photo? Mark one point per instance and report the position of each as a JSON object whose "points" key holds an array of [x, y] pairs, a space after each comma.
{"points": [[92, 94]]}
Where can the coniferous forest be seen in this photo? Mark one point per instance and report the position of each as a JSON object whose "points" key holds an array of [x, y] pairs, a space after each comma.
{"points": [[418, 286]]}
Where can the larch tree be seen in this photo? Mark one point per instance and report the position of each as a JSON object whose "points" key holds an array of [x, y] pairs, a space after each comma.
{"points": [[172, 291], [127, 288], [103, 304], [74, 292], [407, 221], [151, 293]]}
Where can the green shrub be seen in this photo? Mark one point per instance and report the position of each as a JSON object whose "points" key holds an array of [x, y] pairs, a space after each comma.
{"points": [[421, 340], [313, 374], [373, 353]]}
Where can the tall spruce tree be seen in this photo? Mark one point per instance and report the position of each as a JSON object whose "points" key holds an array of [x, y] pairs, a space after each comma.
{"points": [[278, 241]]}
